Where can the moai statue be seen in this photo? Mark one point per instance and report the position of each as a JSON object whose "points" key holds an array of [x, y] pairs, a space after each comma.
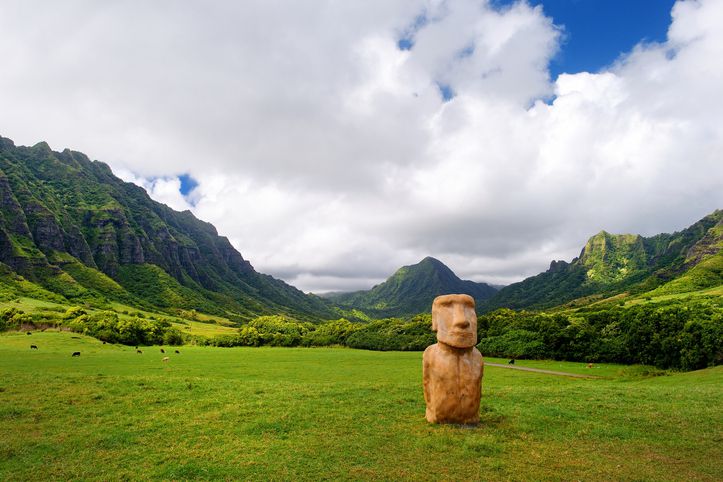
{"points": [[452, 368]]}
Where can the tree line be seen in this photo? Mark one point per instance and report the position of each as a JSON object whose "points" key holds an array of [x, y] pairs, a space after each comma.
{"points": [[678, 334]]}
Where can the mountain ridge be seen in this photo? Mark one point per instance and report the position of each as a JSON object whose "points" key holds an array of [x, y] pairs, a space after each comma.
{"points": [[72, 228], [610, 264]]}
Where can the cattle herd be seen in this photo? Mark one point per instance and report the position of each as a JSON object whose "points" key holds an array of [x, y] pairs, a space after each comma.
{"points": [[77, 353]]}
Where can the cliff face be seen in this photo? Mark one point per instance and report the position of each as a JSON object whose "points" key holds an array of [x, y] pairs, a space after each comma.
{"points": [[608, 257], [615, 263], [61, 209]]}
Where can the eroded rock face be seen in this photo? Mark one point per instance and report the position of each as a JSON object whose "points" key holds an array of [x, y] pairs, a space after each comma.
{"points": [[12, 213], [453, 367]]}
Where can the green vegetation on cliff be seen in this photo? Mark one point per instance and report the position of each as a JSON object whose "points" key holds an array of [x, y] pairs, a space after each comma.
{"points": [[610, 264], [71, 231]]}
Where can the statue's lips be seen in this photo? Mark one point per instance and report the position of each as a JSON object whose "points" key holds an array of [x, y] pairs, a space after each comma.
{"points": [[461, 334]]}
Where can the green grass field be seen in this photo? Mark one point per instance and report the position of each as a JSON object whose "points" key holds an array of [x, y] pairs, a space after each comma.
{"points": [[321, 413]]}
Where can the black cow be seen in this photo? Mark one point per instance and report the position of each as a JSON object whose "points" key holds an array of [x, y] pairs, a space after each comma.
{"points": [[511, 362], [29, 333], [33, 347], [163, 351], [76, 353], [178, 352], [138, 351]]}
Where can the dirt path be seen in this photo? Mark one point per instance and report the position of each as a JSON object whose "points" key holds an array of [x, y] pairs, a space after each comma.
{"points": [[540, 370]]}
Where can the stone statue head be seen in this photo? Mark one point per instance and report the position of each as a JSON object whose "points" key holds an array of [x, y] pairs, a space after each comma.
{"points": [[454, 320]]}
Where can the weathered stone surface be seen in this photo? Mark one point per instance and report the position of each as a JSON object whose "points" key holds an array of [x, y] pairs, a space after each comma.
{"points": [[453, 367], [76, 245], [13, 215]]}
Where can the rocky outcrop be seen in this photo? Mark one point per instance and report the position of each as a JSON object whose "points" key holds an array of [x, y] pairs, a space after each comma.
{"points": [[710, 245], [557, 266], [76, 245], [13, 217], [45, 231]]}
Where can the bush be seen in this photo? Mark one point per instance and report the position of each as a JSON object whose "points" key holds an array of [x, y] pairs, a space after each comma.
{"points": [[394, 334], [514, 344], [702, 344], [676, 334], [9, 318], [276, 330], [106, 326], [334, 332]]}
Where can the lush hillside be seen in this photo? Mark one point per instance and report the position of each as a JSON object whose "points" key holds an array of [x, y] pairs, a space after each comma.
{"points": [[70, 230], [688, 260], [411, 290]]}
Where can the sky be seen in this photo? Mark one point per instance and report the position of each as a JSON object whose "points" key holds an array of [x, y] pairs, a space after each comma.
{"points": [[334, 142]]}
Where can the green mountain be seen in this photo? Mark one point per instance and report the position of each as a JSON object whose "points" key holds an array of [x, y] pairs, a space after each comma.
{"points": [[411, 290], [609, 264], [72, 231]]}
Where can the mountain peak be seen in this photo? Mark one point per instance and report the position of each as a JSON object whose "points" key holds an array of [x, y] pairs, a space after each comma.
{"points": [[411, 290], [42, 146], [612, 257], [429, 259], [433, 263]]}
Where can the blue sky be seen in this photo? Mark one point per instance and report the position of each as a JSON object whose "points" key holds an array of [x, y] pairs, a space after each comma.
{"points": [[187, 184], [597, 32]]}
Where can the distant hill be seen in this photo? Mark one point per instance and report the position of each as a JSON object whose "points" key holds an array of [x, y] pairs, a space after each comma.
{"points": [[411, 290], [688, 260], [72, 231]]}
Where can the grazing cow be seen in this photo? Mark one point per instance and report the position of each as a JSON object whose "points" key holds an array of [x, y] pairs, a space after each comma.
{"points": [[589, 365], [178, 352], [138, 351], [76, 353], [165, 358], [29, 333], [163, 351], [104, 343], [511, 362], [33, 347]]}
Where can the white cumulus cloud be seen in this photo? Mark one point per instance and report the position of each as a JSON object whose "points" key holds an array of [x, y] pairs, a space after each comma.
{"points": [[330, 156]]}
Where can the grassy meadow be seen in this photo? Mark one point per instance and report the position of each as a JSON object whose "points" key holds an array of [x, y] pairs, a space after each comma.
{"points": [[336, 413]]}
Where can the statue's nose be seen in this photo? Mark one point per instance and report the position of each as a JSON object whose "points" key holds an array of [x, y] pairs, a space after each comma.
{"points": [[460, 320]]}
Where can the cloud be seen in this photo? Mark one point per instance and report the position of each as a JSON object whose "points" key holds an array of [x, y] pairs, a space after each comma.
{"points": [[330, 156]]}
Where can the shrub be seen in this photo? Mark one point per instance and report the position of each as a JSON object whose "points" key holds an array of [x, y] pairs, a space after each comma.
{"points": [[684, 334], [106, 326]]}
